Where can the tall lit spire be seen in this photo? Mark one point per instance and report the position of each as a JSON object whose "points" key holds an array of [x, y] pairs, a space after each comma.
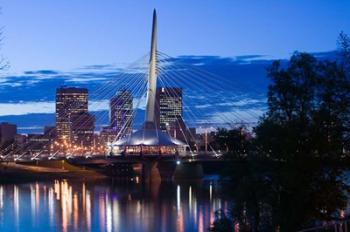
{"points": [[152, 74], [149, 134]]}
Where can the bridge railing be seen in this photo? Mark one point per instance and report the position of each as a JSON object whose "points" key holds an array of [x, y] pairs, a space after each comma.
{"points": [[25, 156]]}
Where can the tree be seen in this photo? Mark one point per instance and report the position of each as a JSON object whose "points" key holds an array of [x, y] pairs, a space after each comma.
{"points": [[284, 131], [233, 142], [306, 125], [309, 109], [330, 119], [344, 57], [344, 51]]}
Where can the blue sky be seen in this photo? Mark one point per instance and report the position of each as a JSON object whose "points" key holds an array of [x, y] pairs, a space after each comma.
{"points": [[88, 42], [67, 34]]}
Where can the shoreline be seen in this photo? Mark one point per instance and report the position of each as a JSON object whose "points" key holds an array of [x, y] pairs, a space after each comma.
{"points": [[13, 172]]}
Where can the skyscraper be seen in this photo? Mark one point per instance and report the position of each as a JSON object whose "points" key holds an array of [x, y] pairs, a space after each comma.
{"points": [[7, 132], [69, 100], [168, 106], [121, 110], [82, 129]]}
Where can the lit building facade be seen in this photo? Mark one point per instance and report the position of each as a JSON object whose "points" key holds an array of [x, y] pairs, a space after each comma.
{"points": [[121, 111], [107, 135], [168, 106], [38, 143], [8, 134], [82, 129], [69, 101]]}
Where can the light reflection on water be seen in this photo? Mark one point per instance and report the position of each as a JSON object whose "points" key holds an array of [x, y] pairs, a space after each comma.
{"points": [[66, 206]]}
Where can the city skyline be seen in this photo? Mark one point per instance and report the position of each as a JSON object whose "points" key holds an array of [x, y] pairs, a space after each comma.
{"points": [[91, 76], [163, 129], [31, 112], [39, 62]]}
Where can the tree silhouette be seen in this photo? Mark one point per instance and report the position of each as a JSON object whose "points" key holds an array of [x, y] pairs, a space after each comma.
{"points": [[302, 139]]}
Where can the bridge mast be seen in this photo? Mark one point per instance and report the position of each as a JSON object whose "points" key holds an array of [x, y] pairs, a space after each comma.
{"points": [[152, 74]]}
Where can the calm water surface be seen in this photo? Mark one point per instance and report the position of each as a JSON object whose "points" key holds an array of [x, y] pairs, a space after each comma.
{"points": [[64, 205]]}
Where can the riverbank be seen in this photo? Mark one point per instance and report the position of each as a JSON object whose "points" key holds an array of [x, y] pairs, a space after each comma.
{"points": [[17, 172]]}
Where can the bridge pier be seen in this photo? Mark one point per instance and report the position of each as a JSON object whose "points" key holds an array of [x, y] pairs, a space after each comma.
{"points": [[156, 171], [166, 170], [150, 172]]}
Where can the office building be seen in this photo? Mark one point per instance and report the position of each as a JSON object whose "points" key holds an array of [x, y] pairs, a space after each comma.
{"points": [[38, 143], [121, 111], [168, 106], [69, 101], [7, 132], [82, 129]]}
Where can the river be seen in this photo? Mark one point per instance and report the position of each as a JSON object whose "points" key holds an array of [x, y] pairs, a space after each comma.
{"points": [[109, 205]]}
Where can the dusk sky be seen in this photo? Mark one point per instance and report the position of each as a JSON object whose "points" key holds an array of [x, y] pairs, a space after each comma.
{"points": [[86, 43], [68, 34]]}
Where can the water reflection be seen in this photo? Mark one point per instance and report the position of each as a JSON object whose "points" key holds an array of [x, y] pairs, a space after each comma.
{"points": [[1, 197], [16, 204], [64, 205], [288, 197]]}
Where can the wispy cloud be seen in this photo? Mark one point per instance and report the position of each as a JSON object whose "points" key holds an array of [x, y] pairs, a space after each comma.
{"points": [[42, 72], [22, 108], [237, 116], [99, 67], [47, 107], [236, 92], [85, 79]]}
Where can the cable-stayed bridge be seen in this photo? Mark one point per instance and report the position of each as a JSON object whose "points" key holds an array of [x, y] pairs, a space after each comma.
{"points": [[204, 104]]}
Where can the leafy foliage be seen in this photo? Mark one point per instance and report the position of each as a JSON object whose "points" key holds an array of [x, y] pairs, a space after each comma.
{"points": [[291, 177]]}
